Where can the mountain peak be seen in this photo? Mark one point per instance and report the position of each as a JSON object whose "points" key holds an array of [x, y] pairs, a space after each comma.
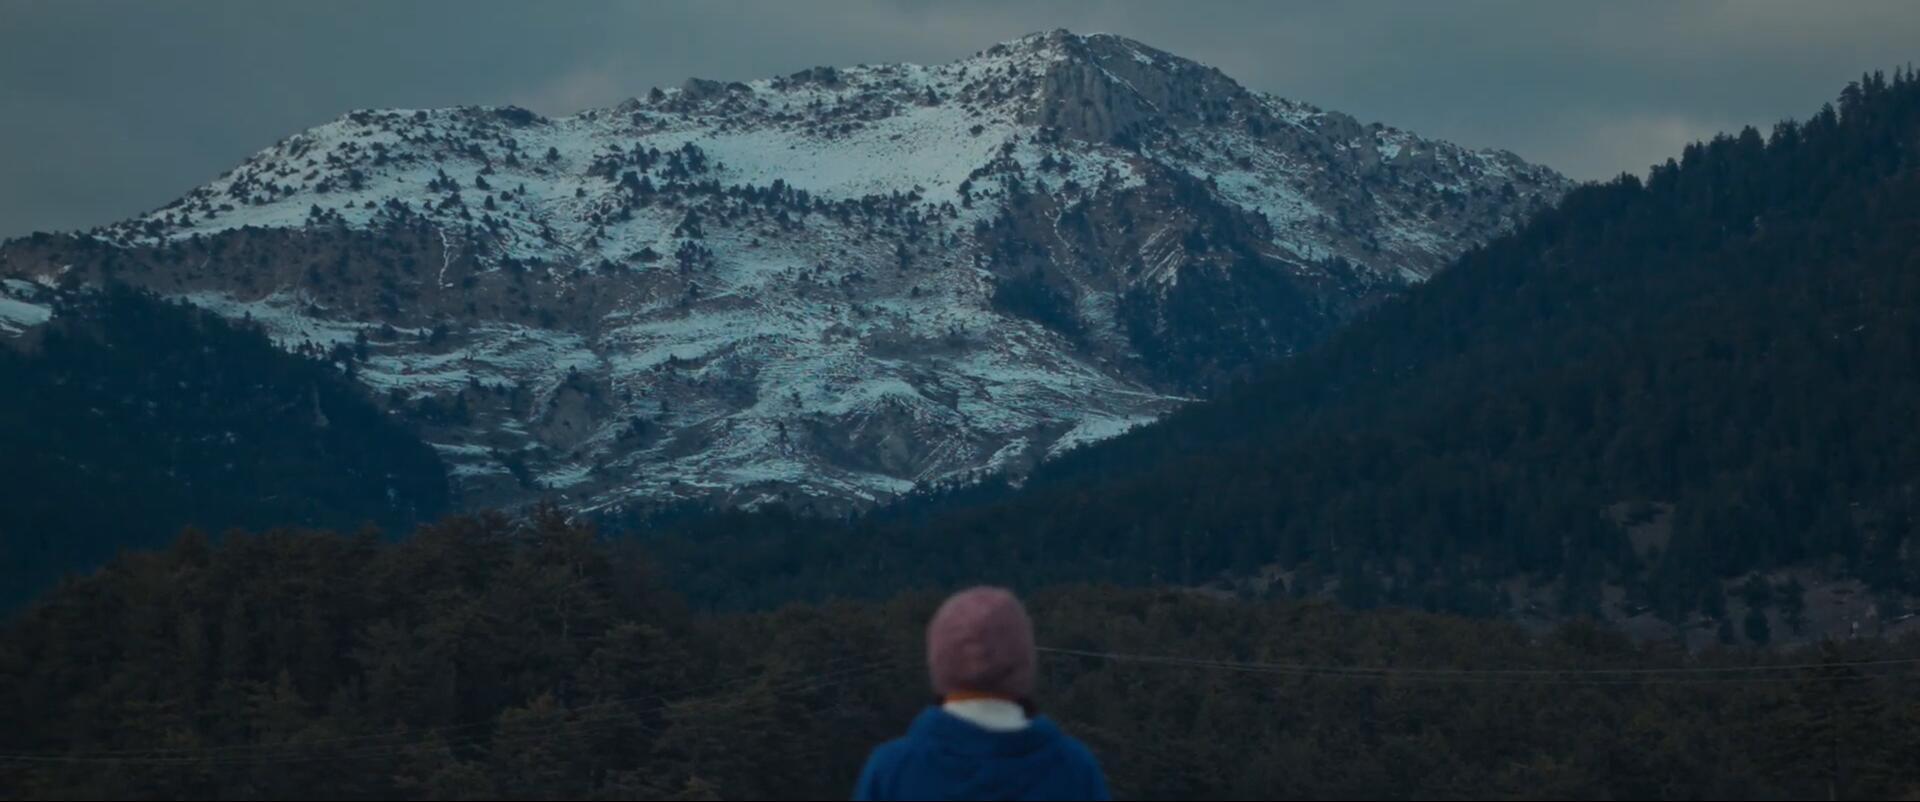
{"points": [[1068, 43], [1037, 41], [1106, 88], [1062, 45]]}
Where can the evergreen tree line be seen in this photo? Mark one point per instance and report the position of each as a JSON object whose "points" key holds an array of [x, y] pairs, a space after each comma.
{"points": [[485, 657], [127, 417]]}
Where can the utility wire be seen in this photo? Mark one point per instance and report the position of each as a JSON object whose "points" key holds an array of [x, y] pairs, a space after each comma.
{"points": [[1681, 675]]}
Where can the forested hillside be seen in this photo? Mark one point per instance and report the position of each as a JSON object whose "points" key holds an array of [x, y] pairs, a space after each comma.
{"points": [[483, 658], [1731, 347], [127, 417]]}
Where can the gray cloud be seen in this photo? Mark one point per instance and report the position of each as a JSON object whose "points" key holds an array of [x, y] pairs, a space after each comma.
{"points": [[111, 108]]}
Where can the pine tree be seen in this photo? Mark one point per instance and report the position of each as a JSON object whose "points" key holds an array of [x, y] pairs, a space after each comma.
{"points": [[1758, 631]]}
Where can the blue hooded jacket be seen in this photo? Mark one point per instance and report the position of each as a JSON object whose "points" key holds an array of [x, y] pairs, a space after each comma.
{"points": [[946, 757]]}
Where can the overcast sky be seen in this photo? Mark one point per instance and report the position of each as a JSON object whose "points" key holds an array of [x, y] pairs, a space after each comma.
{"points": [[108, 109]]}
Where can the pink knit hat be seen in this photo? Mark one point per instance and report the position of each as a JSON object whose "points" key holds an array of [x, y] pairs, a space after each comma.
{"points": [[981, 641]]}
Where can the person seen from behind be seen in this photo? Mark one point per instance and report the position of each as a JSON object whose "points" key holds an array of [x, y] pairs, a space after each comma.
{"points": [[982, 740]]}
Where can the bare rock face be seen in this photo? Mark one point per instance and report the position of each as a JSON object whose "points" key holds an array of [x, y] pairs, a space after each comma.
{"points": [[1106, 89], [824, 288]]}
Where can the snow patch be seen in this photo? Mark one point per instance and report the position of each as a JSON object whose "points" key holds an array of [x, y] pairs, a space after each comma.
{"points": [[1094, 430], [17, 316]]}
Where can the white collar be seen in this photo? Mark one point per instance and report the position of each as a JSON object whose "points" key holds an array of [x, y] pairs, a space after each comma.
{"points": [[993, 715]]}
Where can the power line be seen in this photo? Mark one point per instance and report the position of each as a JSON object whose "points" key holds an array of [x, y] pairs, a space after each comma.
{"points": [[1679, 675]]}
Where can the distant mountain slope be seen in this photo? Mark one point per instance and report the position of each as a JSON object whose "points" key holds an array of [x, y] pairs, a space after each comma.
{"points": [[1639, 396], [125, 418], [827, 287]]}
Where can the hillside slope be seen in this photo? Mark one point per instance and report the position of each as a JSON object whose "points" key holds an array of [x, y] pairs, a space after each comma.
{"points": [[1634, 401]]}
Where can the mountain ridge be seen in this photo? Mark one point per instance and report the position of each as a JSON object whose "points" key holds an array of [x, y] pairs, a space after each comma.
{"points": [[824, 288]]}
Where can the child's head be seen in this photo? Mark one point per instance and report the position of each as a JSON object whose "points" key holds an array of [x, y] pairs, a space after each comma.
{"points": [[981, 642]]}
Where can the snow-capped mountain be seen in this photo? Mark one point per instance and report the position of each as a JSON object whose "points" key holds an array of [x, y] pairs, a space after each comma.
{"points": [[834, 284]]}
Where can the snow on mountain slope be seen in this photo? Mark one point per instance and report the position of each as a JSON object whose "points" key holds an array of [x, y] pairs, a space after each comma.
{"points": [[18, 308], [831, 285]]}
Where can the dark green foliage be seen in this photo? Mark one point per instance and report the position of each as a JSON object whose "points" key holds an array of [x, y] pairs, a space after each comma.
{"points": [[1759, 632], [488, 658], [1218, 323], [132, 417], [1028, 295]]}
